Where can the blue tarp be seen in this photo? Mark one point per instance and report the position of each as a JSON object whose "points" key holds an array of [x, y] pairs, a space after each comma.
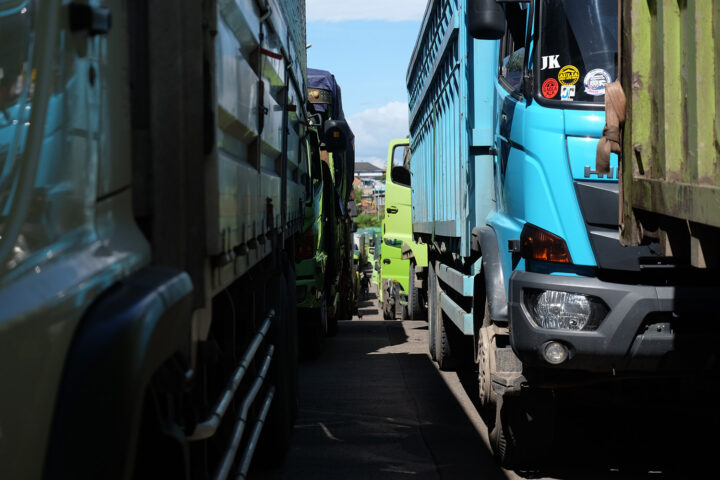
{"points": [[326, 81]]}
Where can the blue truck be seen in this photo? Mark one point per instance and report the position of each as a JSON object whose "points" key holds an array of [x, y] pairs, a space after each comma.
{"points": [[527, 278]]}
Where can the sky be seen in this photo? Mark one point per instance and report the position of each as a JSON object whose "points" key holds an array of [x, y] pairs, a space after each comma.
{"points": [[367, 45]]}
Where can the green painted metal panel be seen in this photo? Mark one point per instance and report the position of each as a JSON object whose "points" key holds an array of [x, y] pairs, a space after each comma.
{"points": [[670, 73]]}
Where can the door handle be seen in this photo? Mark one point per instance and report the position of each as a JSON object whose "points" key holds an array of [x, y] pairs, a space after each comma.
{"points": [[391, 210], [386, 261]]}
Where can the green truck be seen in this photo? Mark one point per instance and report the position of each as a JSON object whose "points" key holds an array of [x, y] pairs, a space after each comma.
{"points": [[670, 180], [325, 284], [403, 261], [151, 195]]}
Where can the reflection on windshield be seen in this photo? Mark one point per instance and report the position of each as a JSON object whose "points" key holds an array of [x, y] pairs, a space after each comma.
{"points": [[47, 194], [16, 85], [578, 49]]}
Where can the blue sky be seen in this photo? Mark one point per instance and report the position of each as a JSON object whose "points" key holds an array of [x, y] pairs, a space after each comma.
{"points": [[367, 45]]}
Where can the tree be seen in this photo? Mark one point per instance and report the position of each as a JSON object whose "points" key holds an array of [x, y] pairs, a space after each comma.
{"points": [[365, 220]]}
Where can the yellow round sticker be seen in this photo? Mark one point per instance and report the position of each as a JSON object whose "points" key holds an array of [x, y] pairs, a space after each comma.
{"points": [[568, 75]]}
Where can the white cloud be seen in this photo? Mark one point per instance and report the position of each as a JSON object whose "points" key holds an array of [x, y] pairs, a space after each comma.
{"points": [[375, 127], [342, 10]]}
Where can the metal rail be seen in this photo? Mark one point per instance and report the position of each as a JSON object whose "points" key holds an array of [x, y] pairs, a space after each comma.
{"points": [[252, 443], [229, 457], [208, 428]]}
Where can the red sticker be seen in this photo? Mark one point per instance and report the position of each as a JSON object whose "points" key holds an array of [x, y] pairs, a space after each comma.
{"points": [[550, 88]]}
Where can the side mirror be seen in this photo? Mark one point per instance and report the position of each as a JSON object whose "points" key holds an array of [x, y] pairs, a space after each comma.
{"points": [[335, 136], [486, 19]]}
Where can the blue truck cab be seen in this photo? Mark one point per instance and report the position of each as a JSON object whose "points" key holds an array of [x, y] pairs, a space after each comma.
{"points": [[527, 277]]}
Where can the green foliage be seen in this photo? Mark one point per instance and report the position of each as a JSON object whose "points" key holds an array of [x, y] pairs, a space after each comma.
{"points": [[365, 220]]}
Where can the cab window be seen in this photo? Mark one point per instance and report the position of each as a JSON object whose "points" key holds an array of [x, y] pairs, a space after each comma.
{"points": [[512, 48]]}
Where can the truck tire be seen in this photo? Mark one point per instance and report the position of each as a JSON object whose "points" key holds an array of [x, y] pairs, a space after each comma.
{"points": [[332, 320], [432, 311], [291, 302], [314, 329], [486, 348], [414, 304], [443, 344], [387, 307], [277, 432], [522, 436]]}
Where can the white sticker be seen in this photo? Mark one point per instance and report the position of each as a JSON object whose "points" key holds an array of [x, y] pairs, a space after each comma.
{"points": [[595, 82], [567, 93], [550, 61]]}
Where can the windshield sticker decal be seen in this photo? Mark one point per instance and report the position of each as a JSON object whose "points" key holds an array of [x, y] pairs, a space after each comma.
{"points": [[569, 75], [550, 88], [550, 61], [567, 93], [595, 82]]}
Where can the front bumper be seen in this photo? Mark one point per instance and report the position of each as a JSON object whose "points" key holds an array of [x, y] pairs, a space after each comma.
{"points": [[648, 328]]}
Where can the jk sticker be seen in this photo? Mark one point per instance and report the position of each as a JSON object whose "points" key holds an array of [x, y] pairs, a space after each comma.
{"points": [[550, 88], [550, 61], [569, 75], [567, 93], [595, 82]]}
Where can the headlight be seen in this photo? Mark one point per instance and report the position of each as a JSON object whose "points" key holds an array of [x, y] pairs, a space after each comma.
{"points": [[564, 310]]}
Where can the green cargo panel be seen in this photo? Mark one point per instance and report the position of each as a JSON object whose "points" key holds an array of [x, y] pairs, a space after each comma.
{"points": [[670, 73]]}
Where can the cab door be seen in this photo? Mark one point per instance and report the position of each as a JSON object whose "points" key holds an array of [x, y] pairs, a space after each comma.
{"points": [[397, 225]]}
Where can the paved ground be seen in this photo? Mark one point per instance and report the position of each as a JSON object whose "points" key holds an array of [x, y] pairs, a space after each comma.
{"points": [[374, 406]]}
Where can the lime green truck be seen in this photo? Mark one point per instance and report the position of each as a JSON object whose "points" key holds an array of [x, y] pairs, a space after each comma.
{"points": [[670, 180], [403, 262]]}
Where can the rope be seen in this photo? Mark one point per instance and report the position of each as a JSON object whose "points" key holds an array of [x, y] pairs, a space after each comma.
{"points": [[611, 141]]}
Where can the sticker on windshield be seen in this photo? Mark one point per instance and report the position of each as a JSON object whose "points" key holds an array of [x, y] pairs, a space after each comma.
{"points": [[550, 88], [550, 61], [595, 82], [569, 75], [567, 93]]}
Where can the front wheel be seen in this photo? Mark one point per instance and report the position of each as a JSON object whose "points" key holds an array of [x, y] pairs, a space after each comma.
{"points": [[414, 304], [432, 310], [313, 330], [524, 429]]}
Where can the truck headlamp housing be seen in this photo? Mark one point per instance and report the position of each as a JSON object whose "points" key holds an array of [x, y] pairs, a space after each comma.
{"points": [[557, 310], [539, 244]]}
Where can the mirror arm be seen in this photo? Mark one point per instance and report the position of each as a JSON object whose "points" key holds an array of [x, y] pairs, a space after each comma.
{"points": [[527, 78]]}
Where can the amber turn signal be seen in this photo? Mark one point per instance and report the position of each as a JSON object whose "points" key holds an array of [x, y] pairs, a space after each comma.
{"points": [[539, 244]]}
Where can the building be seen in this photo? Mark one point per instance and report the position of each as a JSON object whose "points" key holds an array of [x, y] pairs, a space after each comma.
{"points": [[371, 180]]}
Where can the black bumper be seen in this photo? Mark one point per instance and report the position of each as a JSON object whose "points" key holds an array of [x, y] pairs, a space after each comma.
{"points": [[648, 328]]}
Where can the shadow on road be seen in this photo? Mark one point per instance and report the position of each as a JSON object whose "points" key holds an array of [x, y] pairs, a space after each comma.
{"points": [[375, 407]]}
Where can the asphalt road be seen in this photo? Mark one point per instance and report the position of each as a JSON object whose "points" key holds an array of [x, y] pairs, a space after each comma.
{"points": [[374, 406]]}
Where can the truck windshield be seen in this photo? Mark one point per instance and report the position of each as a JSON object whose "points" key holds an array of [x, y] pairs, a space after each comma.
{"points": [[577, 50], [15, 95]]}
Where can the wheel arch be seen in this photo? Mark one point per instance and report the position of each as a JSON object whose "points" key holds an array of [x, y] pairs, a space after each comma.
{"points": [[123, 338], [484, 240]]}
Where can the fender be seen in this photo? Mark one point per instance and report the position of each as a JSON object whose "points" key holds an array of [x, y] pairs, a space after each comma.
{"points": [[484, 240], [418, 251], [125, 335]]}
